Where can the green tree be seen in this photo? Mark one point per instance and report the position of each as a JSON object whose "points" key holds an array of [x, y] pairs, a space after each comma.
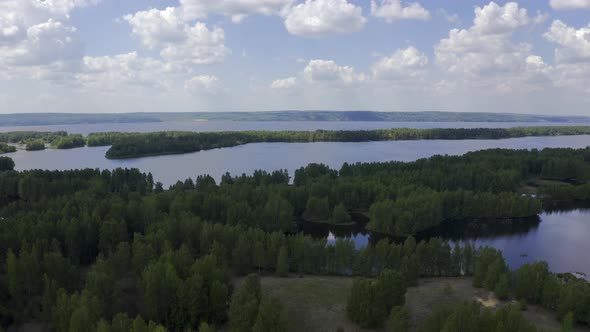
{"points": [[399, 319], [283, 262], [243, 308], [270, 316], [340, 216]]}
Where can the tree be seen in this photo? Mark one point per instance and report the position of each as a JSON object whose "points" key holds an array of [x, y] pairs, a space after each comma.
{"points": [[270, 316], [243, 308], [502, 288], [340, 216], [568, 322], [283, 262], [317, 209], [6, 164], [204, 327], [399, 319]]}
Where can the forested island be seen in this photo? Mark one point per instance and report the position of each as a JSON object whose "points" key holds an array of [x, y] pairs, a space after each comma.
{"points": [[37, 140], [92, 250], [133, 145], [42, 119]]}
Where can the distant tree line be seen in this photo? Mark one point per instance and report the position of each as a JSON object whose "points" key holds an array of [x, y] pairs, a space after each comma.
{"points": [[132, 145], [35, 141]]}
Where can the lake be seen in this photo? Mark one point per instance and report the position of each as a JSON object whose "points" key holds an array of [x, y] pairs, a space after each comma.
{"points": [[273, 156], [558, 238]]}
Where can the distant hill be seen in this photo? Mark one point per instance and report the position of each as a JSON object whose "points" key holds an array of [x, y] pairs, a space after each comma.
{"points": [[39, 119]]}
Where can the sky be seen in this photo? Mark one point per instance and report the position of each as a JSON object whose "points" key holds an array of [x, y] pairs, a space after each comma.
{"points": [[109, 56]]}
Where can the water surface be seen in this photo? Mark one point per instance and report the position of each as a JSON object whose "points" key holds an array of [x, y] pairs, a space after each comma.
{"points": [[273, 156]]}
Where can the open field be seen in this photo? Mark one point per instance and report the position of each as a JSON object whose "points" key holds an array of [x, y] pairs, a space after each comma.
{"points": [[318, 303]]}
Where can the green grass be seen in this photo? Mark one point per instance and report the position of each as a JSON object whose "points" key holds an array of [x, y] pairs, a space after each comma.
{"points": [[318, 303]]}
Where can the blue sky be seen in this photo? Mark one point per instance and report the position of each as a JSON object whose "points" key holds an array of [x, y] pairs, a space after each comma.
{"points": [[258, 55]]}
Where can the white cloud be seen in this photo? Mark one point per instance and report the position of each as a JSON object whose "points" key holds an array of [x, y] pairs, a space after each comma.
{"points": [[202, 83], [575, 43], [321, 17], [572, 57], [486, 47], [36, 33], [236, 9], [403, 64], [157, 28], [285, 83], [569, 4], [177, 40], [125, 72], [45, 43], [330, 72], [393, 10], [494, 19], [451, 18]]}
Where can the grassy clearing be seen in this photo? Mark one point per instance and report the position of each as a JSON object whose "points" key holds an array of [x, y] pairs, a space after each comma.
{"points": [[316, 303]]}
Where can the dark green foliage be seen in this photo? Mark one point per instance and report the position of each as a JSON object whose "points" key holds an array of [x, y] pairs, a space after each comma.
{"points": [[90, 247], [5, 148], [147, 144], [399, 319], [283, 262], [243, 310], [35, 145], [23, 137], [340, 216], [468, 317], [371, 300], [6, 164], [317, 209], [270, 316], [69, 142], [568, 323]]}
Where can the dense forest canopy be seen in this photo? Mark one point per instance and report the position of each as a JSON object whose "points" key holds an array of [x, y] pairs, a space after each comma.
{"points": [[131, 145], [102, 250], [39, 119]]}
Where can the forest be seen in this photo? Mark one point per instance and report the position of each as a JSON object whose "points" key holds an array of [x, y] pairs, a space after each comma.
{"points": [[36, 140], [115, 251], [133, 145]]}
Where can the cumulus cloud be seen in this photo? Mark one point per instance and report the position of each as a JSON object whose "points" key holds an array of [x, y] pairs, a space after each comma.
{"points": [[328, 71], [119, 73], [36, 39], [284, 84], [178, 40], [486, 47], [393, 10], [402, 64], [575, 43], [202, 83], [321, 17], [236, 9], [572, 57], [569, 4]]}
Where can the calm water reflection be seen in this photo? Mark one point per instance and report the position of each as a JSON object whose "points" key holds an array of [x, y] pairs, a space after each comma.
{"points": [[559, 238], [273, 156]]}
